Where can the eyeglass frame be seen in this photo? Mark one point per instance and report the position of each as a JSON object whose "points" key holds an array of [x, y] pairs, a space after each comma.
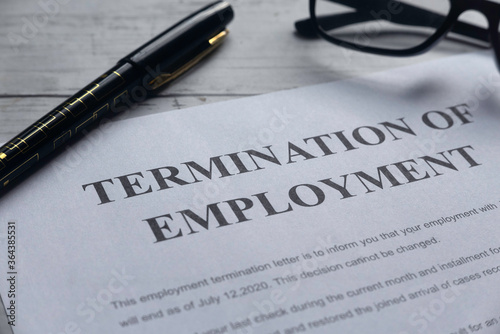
{"points": [[488, 8]]}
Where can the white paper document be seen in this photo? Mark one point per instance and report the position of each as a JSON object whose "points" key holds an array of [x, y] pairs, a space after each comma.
{"points": [[369, 205]]}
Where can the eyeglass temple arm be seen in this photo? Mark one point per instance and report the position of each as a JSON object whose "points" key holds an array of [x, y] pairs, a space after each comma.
{"points": [[409, 15]]}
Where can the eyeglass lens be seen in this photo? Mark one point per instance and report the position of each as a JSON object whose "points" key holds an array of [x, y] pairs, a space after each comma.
{"points": [[387, 24]]}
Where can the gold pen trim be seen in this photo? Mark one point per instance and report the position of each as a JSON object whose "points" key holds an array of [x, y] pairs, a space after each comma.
{"points": [[24, 163], [165, 78], [219, 38]]}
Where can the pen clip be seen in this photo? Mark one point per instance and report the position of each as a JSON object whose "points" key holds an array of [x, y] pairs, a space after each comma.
{"points": [[165, 78]]}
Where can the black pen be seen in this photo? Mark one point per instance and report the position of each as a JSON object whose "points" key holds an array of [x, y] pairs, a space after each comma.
{"points": [[135, 77]]}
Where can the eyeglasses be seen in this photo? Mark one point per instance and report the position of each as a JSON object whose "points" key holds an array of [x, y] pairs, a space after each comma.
{"points": [[397, 28]]}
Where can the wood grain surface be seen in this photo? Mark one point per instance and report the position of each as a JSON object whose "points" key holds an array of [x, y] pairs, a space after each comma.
{"points": [[52, 48]]}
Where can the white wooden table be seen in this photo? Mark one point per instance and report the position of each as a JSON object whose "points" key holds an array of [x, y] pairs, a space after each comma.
{"points": [[49, 49], [52, 48]]}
